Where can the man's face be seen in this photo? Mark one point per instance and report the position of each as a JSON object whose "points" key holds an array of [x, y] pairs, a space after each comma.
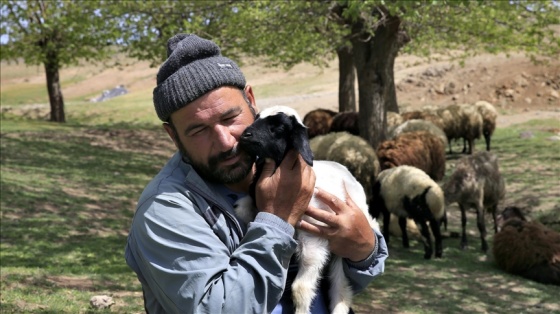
{"points": [[207, 133]]}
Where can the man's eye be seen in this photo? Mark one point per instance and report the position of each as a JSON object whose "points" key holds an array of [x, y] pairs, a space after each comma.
{"points": [[197, 131]]}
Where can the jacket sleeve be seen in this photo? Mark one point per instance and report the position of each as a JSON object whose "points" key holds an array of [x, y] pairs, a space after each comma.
{"points": [[362, 273], [190, 270]]}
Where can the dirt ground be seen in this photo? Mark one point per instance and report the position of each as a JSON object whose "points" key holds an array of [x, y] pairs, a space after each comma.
{"points": [[520, 89]]}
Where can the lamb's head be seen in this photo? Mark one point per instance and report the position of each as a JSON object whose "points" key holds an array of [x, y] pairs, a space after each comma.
{"points": [[275, 131]]}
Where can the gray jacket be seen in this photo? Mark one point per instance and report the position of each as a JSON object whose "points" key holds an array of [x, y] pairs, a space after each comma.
{"points": [[192, 255]]}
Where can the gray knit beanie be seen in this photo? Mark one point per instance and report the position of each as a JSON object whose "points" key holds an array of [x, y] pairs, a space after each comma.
{"points": [[194, 66]]}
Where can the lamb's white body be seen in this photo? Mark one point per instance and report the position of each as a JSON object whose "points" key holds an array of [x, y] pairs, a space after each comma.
{"points": [[313, 252]]}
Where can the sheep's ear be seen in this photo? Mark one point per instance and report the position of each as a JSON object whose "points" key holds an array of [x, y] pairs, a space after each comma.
{"points": [[301, 141]]}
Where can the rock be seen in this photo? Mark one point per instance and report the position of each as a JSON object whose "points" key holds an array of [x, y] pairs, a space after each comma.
{"points": [[528, 100], [554, 94], [101, 301]]}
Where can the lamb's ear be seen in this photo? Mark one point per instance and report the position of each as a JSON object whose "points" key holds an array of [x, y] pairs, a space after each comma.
{"points": [[301, 141]]}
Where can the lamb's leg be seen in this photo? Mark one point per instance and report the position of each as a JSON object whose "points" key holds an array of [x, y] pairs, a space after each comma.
{"points": [[313, 253], [436, 230], [402, 224], [464, 226], [340, 292]]}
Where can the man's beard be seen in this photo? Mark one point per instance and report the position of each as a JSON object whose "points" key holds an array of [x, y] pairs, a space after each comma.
{"points": [[227, 175]]}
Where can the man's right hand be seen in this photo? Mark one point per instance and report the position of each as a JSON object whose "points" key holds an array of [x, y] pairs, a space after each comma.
{"points": [[287, 191]]}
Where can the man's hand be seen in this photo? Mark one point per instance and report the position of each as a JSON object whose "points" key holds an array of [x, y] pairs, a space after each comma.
{"points": [[287, 191], [347, 230]]}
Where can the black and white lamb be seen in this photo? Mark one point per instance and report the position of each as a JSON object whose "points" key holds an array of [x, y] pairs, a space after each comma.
{"points": [[409, 192], [275, 131], [527, 248], [476, 183]]}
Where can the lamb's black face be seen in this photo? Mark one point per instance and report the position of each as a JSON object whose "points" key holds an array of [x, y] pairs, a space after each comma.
{"points": [[272, 137]]}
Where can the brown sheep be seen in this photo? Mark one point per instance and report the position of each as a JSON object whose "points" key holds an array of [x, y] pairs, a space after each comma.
{"points": [[527, 248], [318, 121], [476, 182], [346, 121], [419, 149]]}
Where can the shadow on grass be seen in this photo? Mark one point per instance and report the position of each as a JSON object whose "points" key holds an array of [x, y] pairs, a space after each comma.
{"points": [[67, 205]]}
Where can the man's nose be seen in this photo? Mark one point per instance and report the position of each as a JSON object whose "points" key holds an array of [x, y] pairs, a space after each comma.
{"points": [[225, 140]]}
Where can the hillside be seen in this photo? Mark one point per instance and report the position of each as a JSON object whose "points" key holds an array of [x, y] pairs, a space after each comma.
{"points": [[514, 84]]}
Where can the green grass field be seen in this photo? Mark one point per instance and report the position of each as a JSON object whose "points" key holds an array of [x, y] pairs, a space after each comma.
{"points": [[68, 194]]}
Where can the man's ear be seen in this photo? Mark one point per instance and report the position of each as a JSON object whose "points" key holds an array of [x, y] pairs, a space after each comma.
{"points": [[251, 96], [301, 141], [171, 133]]}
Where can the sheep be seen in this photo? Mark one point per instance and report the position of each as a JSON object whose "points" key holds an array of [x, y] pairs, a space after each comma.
{"points": [[393, 120], [419, 125], [273, 133], [423, 115], [489, 117], [420, 149], [527, 248], [346, 121], [351, 151], [409, 192], [476, 182], [318, 121], [461, 121]]}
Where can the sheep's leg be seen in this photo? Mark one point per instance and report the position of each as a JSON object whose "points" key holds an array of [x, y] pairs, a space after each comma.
{"points": [[481, 227], [386, 222], [464, 145], [464, 226], [313, 253], [471, 145], [340, 292], [487, 139], [449, 144], [426, 237], [436, 230], [402, 224], [444, 220], [494, 210]]}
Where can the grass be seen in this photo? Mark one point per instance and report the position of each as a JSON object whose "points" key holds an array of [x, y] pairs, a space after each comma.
{"points": [[69, 192]]}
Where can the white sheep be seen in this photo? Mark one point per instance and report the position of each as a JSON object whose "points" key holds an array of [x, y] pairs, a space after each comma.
{"points": [[275, 131], [409, 192], [349, 150], [476, 182]]}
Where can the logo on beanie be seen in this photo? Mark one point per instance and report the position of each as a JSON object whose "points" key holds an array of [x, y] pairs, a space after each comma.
{"points": [[225, 65]]}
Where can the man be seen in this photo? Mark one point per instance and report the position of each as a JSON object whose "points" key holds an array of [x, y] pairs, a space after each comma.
{"points": [[190, 252]]}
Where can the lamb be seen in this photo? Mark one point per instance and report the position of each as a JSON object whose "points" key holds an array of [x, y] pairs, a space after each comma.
{"points": [[476, 182], [351, 151], [274, 132], [527, 248], [318, 121], [489, 116], [346, 121], [419, 149], [409, 192]]}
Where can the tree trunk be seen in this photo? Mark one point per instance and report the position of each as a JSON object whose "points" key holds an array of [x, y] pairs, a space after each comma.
{"points": [[54, 89], [347, 77], [374, 58]]}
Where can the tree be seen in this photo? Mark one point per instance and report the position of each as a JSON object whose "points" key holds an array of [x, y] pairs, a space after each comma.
{"points": [[377, 30], [55, 34]]}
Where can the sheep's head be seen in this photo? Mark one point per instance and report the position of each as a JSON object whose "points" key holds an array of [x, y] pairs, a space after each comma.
{"points": [[511, 216], [275, 131]]}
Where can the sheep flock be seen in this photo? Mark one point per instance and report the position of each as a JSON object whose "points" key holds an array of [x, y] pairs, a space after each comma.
{"points": [[405, 178]]}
